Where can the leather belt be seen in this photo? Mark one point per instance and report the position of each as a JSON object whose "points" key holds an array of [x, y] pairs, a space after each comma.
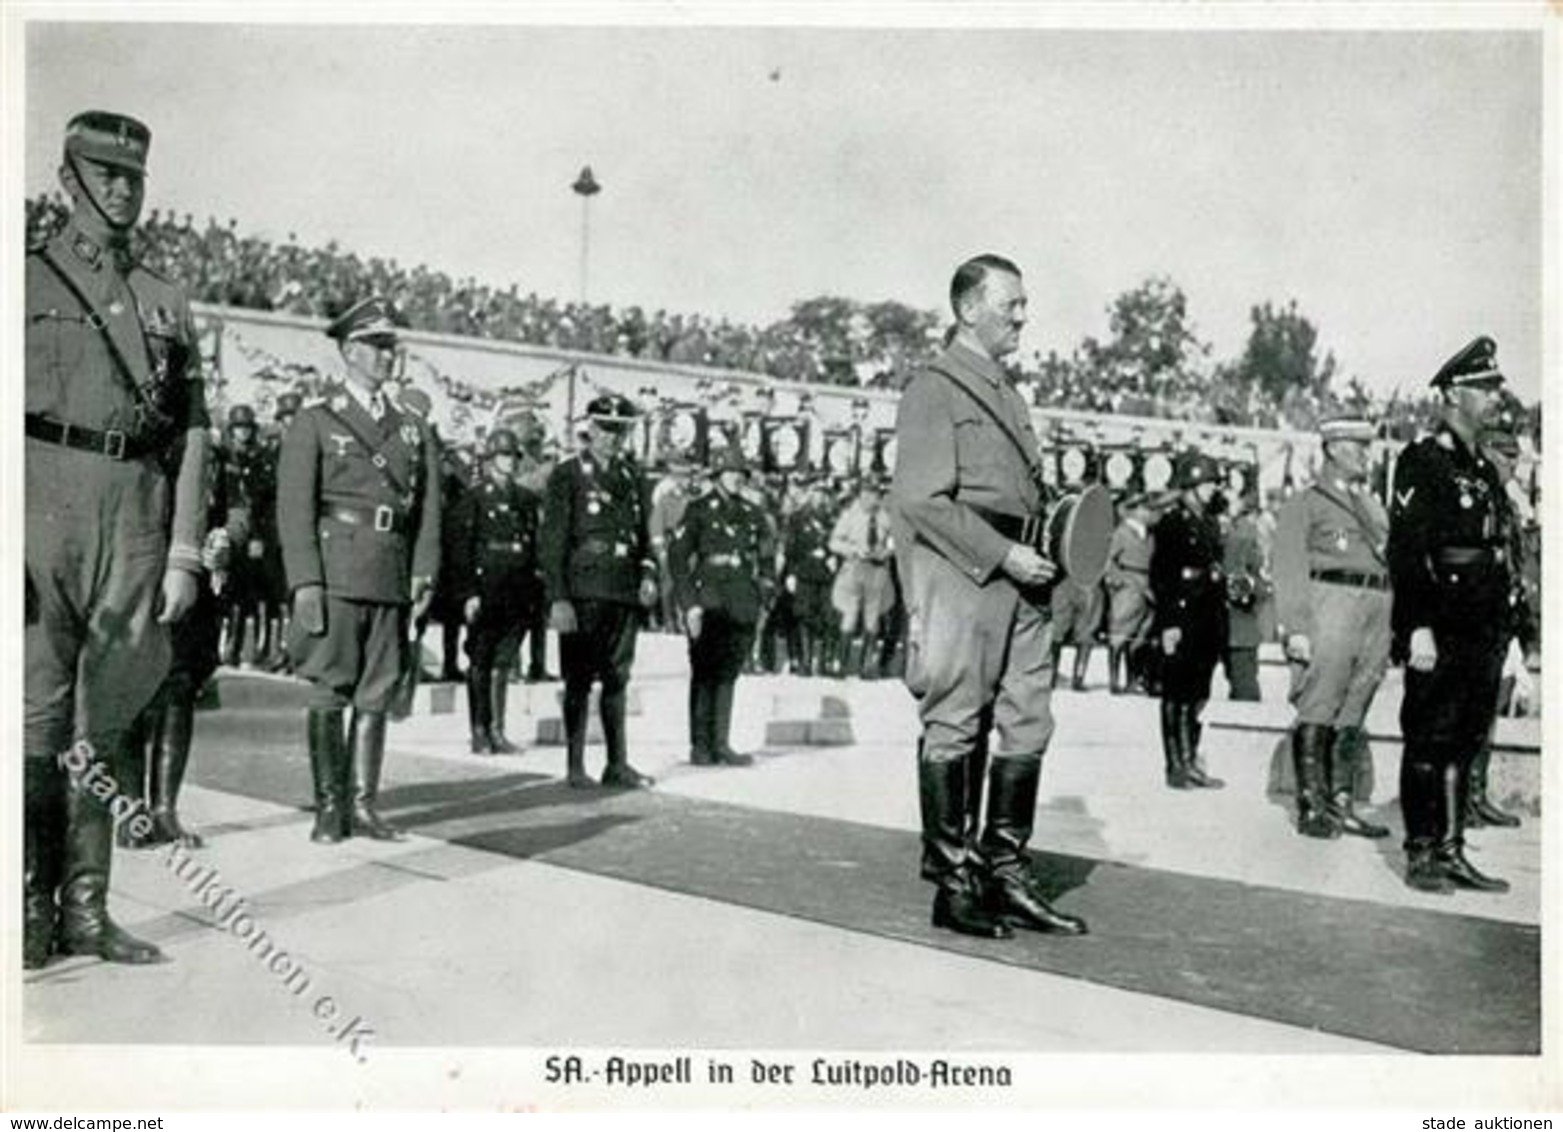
{"points": [[1024, 529], [1469, 556], [384, 518], [113, 443], [497, 544], [1349, 578]]}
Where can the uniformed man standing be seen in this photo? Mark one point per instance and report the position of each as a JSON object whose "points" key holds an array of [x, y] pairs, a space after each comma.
{"points": [[862, 594], [249, 487], [1248, 584], [1191, 615], [966, 499], [720, 559], [278, 599], [1128, 583], [358, 508], [1077, 611], [495, 579], [808, 569], [600, 576], [1449, 566], [116, 444], [1332, 601]]}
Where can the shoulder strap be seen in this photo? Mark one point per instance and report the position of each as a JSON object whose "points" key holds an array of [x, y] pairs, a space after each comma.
{"points": [[1032, 466], [123, 369], [376, 457], [1362, 521]]}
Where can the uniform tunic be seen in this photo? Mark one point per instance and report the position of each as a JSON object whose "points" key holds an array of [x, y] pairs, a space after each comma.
{"points": [[720, 560], [1332, 586], [1190, 588], [358, 511], [862, 592], [250, 487], [1128, 583], [495, 560], [100, 530], [807, 559]]}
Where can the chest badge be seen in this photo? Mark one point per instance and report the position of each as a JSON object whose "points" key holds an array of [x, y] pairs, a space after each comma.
{"points": [[343, 443], [1341, 542], [1466, 501], [594, 508]]}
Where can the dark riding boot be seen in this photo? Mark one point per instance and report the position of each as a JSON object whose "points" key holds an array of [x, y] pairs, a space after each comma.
{"points": [[450, 651], [1192, 729], [1082, 665], [1172, 745], [959, 905], [1116, 676], [722, 727], [618, 772], [1422, 806], [699, 722], [1311, 746], [499, 694], [1347, 748], [368, 763], [1451, 851], [169, 760], [1480, 810], [1014, 895], [1058, 658], [43, 850], [327, 755], [130, 770], [84, 926], [577, 701], [479, 707]]}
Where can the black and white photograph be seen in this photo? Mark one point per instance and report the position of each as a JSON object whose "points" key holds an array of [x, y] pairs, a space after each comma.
{"points": [[623, 557]]}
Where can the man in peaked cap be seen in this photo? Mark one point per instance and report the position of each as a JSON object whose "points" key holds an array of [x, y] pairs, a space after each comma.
{"points": [[1450, 569], [116, 443], [720, 561], [358, 508], [600, 575], [1129, 592], [1333, 604], [249, 487], [1191, 615]]}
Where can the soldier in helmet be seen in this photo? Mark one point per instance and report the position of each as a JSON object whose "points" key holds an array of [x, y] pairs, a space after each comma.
{"points": [[1332, 593], [1450, 620], [600, 577], [249, 487], [720, 562], [808, 571], [1191, 615], [279, 602], [494, 577], [358, 507], [115, 481]]}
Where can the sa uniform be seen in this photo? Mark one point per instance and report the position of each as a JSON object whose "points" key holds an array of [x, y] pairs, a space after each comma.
{"points": [[1130, 609], [1332, 586], [720, 561], [1449, 566], [1248, 582], [115, 479], [808, 571], [358, 510]]}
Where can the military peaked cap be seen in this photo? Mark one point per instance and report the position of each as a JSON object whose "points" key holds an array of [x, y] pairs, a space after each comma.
{"points": [[111, 139], [1476, 364]]}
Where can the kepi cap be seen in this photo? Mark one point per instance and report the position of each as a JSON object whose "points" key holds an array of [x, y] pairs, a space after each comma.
{"points": [[1476, 364], [109, 138], [1347, 427]]}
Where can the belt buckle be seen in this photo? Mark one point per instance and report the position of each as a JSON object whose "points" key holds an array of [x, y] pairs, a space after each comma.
{"points": [[114, 444], [384, 518]]}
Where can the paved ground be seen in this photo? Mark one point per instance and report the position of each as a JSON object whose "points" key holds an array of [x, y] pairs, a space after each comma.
{"points": [[521, 914]]}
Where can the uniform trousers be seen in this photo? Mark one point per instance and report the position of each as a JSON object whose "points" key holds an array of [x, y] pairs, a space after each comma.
{"points": [[358, 659], [1348, 655]]}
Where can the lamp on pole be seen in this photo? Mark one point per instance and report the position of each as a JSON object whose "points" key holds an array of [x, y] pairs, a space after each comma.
{"points": [[585, 187]]}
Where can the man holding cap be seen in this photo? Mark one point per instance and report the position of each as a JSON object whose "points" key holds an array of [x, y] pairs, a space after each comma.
{"points": [[116, 445], [599, 572], [358, 512], [1332, 601], [1450, 617]]}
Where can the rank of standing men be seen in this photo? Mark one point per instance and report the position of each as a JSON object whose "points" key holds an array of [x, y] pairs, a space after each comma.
{"points": [[600, 577], [720, 559], [115, 488], [1333, 604], [495, 581], [358, 508], [1450, 568]]}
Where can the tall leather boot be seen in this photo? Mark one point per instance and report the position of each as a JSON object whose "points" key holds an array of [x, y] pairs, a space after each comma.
{"points": [[1311, 745], [499, 695], [84, 926], [169, 760], [1192, 729], [1451, 851], [1058, 657], [1082, 665], [368, 762], [1013, 893], [233, 634], [722, 726], [479, 707], [327, 754], [1421, 804], [43, 850], [618, 771], [130, 769], [1116, 676], [868, 657], [959, 904], [450, 650], [851, 656], [1480, 810], [577, 701], [699, 721], [1172, 745], [1347, 748]]}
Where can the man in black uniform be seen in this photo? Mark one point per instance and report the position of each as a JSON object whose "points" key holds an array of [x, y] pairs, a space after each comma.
{"points": [[720, 561], [116, 476], [278, 599], [808, 572], [600, 576], [1450, 622], [249, 487], [1191, 615], [358, 508], [494, 575]]}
